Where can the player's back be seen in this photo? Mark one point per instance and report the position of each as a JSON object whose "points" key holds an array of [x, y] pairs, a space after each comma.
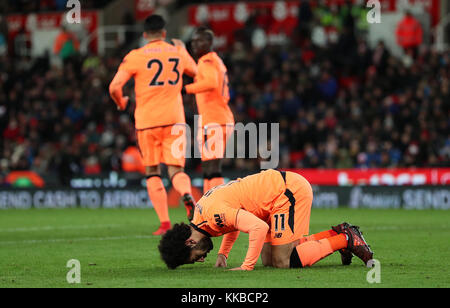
{"points": [[213, 104], [255, 193], [158, 69]]}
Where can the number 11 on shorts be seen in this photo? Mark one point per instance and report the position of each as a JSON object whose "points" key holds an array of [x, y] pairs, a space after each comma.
{"points": [[279, 222]]}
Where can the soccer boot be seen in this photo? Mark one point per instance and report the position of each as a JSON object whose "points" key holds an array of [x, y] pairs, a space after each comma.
{"points": [[346, 254], [357, 244], [189, 204], [163, 228]]}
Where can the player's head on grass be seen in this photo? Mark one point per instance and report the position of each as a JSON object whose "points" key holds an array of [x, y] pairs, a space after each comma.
{"points": [[202, 41], [184, 245], [154, 27]]}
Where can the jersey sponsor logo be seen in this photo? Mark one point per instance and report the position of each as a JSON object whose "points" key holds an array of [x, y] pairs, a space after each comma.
{"points": [[219, 220], [278, 235]]}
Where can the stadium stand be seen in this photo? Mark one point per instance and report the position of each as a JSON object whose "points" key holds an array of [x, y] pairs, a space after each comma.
{"points": [[34, 6]]}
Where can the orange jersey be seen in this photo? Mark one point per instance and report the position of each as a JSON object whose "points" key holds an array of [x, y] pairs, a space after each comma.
{"points": [[216, 211], [270, 206], [211, 91], [158, 70]]}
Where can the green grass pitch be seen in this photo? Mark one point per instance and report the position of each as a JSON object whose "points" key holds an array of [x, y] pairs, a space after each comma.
{"points": [[116, 249]]}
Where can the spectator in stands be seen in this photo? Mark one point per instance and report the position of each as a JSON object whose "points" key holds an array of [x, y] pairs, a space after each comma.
{"points": [[381, 113], [3, 45], [305, 19], [27, 6], [66, 44], [3, 35], [409, 34], [60, 4]]}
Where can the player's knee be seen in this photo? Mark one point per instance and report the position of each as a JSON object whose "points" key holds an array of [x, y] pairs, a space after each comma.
{"points": [[173, 170], [266, 261], [280, 262], [266, 254]]}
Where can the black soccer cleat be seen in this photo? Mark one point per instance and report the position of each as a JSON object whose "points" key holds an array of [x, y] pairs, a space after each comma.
{"points": [[358, 245], [346, 254]]}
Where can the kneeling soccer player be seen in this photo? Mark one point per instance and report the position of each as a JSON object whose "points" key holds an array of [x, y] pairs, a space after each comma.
{"points": [[274, 208]]}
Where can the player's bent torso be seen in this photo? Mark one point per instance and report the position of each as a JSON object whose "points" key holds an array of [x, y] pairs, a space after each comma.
{"points": [[216, 211]]}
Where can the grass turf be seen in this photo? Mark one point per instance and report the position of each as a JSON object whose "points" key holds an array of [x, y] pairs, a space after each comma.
{"points": [[116, 249]]}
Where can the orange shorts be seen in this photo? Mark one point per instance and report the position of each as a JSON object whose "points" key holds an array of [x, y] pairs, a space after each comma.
{"points": [[212, 140], [165, 144], [289, 220]]}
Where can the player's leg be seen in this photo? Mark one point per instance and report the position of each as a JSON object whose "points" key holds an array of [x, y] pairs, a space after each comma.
{"points": [[281, 255], [348, 240], [266, 252], [290, 224], [150, 147], [158, 195], [311, 252], [212, 174], [306, 254], [174, 153], [346, 255], [318, 236], [314, 248], [213, 141], [318, 246], [296, 255], [181, 182]]}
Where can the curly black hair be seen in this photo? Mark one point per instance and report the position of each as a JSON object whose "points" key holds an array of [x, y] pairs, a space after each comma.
{"points": [[172, 247]]}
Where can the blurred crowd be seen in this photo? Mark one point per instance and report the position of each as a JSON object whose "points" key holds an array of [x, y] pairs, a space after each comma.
{"points": [[26, 6], [339, 105], [375, 111]]}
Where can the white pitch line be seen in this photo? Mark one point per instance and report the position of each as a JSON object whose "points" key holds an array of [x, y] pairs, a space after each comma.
{"points": [[51, 228], [82, 239]]}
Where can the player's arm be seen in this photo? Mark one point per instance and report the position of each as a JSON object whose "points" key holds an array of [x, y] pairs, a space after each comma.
{"points": [[115, 89], [206, 81], [225, 248], [190, 68], [257, 230]]}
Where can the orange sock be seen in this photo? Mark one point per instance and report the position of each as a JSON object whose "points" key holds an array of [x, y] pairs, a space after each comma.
{"points": [[318, 236], [182, 183], [311, 252], [338, 242], [158, 196], [216, 182]]}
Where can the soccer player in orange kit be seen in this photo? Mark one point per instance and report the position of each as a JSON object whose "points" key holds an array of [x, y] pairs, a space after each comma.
{"points": [[157, 69], [274, 208], [211, 91]]}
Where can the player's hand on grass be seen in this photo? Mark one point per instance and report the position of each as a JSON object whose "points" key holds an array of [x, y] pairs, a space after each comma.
{"points": [[178, 43], [221, 261], [237, 269]]}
